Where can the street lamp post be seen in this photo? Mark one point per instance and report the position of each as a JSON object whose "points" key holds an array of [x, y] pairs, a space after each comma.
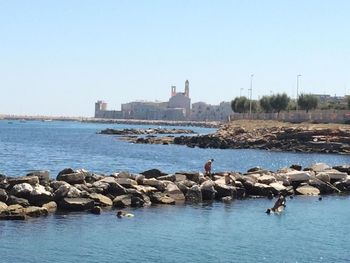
{"points": [[251, 91], [298, 76], [240, 92]]}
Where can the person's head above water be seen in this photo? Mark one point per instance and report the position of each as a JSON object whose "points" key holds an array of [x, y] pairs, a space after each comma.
{"points": [[119, 213]]}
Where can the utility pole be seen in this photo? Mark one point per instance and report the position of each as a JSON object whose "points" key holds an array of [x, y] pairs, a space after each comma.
{"points": [[251, 91]]}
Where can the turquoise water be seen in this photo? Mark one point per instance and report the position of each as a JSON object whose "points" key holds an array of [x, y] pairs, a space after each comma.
{"points": [[308, 231]]}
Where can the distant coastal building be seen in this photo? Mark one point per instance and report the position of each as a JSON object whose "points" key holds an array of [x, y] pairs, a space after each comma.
{"points": [[202, 111], [178, 108]]}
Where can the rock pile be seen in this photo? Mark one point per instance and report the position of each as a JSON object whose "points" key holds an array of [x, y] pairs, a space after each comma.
{"points": [[150, 131], [297, 139], [36, 194]]}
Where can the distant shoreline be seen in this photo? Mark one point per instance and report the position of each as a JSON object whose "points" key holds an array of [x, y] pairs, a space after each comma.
{"points": [[209, 124]]}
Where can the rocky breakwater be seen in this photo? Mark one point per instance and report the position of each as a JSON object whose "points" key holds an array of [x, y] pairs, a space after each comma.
{"points": [[150, 131], [37, 195], [279, 138]]}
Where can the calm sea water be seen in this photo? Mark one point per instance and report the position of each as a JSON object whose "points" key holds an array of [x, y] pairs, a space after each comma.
{"points": [[308, 231]]}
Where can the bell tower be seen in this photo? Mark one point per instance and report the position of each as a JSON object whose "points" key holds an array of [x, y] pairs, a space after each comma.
{"points": [[173, 91]]}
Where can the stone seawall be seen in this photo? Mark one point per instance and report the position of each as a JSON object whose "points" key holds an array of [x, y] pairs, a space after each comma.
{"points": [[37, 195]]}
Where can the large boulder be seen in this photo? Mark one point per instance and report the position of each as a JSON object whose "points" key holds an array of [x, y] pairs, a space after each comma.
{"points": [[298, 176], [194, 194], [66, 171], [76, 204], [40, 195], [3, 206], [278, 188], [3, 195], [122, 201], [153, 173], [180, 177], [101, 200], [169, 177], [307, 190], [318, 167], [72, 178], [342, 168], [146, 189], [161, 198], [61, 192], [208, 190], [50, 206], [324, 177], [335, 175], [160, 185], [174, 192], [259, 189], [223, 190], [266, 179], [13, 200], [126, 182], [22, 190], [32, 180], [35, 211], [57, 184], [113, 187], [43, 176], [13, 212]]}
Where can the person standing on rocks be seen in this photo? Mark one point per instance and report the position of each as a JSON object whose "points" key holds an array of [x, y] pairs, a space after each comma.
{"points": [[207, 167]]}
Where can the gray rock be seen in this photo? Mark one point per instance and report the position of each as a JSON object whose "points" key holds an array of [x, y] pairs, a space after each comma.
{"points": [[266, 179], [113, 188], [174, 192], [307, 190], [191, 176], [13, 200], [3, 195], [35, 211], [208, 190], [160, 185], [32, 180], [21, 190], [122, 201], [57, 184], [137, 201], [66, 171], [342, 168], [318, 167], [223, 190], [3, 206], [51, 206], [72, 178], [170, 177], [194, 194], [76, 204], [161, 198], [153, 173], [40, 196], [101, 200], [43, 176], [126, 182], [61, 192]]}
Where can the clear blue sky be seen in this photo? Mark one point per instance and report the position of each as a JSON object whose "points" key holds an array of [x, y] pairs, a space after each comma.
{"points": [[59, 57]]}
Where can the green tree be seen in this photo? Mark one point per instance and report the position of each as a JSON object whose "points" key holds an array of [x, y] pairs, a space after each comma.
{"points": [[307, 102], [348, 99], [279, 102], [239, 104], [265, 104]]}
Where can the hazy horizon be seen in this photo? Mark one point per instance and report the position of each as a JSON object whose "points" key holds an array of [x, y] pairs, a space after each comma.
{"points": [[59, 58]]}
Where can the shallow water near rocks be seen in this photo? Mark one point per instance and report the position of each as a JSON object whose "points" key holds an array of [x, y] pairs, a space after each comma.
{"points": [[307, 231]]}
